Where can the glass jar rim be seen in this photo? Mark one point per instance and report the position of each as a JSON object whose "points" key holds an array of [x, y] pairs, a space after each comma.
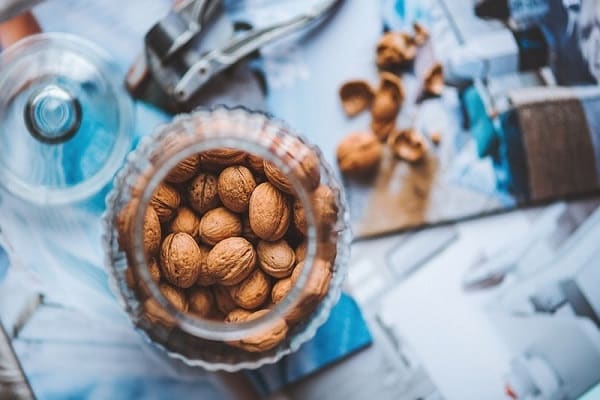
{"points": [[204, 328]]}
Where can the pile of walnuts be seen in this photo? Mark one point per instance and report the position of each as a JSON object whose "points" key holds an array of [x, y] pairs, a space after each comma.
{"points": [[225, 239], [360, 153]]}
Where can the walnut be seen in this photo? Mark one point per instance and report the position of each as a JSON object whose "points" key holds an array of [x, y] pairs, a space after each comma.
{"points": [[313, 292], [231, 260], [265, 339], [276, 258], [299, 217], [255, 163], [252, 291], [247, 231], [185, 221], [281, 289], [359, 154], [152, 232], [154, 270], [408, 145], [269, 212], [235, 185], [433, 82], [301, 251], [202, 193], [386, 105], [326, 210], [225, 303], [421, 34], [305, 166], [184, 170], [156, 314], [237, 315], [180, 259], [327, 247], [205, 278], [175, 296], [219, 224], [395, 50], [356, 96], [201, 302], [165, 202], [217, 159]]}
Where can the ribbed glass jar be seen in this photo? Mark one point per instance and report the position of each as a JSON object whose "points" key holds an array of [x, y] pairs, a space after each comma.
{"points": [[208, 341]]}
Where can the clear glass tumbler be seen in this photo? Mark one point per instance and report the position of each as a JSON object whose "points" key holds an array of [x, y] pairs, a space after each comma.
{"points": [[137, 272]]}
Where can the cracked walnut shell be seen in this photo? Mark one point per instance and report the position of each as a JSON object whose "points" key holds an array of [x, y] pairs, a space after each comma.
{"points": [[394, 50], [359, 154], [356, 96], [408, 145], [231, 260], [219, 224], [269, 212], [276, 258], [252, 291], [433, 83], [180, 259], [235, 185]]}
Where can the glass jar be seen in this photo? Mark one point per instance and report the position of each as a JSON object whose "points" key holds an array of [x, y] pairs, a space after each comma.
{"points": [[207, 340]]}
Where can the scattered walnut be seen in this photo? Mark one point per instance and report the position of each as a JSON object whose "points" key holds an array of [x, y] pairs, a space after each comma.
{"points": [[184, 170], [269, 212], [421, 34], [386, 105], [265, 339], [223, 299], [356, 96], [408, 145], [276, 258], [235, 185], [185, 221], [433, 83], [231, 260], [252, 291], [202, 193], [165, 202], [219, 224], [201, 302], [394, 50], [281, 289], [180, 259], [359, 154]]}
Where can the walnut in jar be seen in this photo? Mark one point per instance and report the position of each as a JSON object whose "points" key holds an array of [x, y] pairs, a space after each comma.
{"points": [[231, 260], [235, 185], [180, 259], [219, 224], [269, 212], [165, 202], [252, 291], [202, 193], [276, 258]]}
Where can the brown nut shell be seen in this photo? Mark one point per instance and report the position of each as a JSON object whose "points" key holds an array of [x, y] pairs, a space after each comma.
{"points": [[165, 202], [219, 224], [326, 210], [276, 258], [386, 104], [237, 315], [154, 270], [217, 159], [152, 232], [265, 339], [180, 259], [281, 289], [185, 221], [223, 300], [433, 82], [184, 170], [202, 193], [303, 162], [201, 302], [255, 163], [252, 291], [382, 129], [277, 178], [359, 154], [231, 260], [299, 217], [356, 96], [175, 296], [235, 185], [408, 145], [205, 278], [300, 251], [269, 212], [394, 50], [313, 291], [247, 231], [421, 34]]}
